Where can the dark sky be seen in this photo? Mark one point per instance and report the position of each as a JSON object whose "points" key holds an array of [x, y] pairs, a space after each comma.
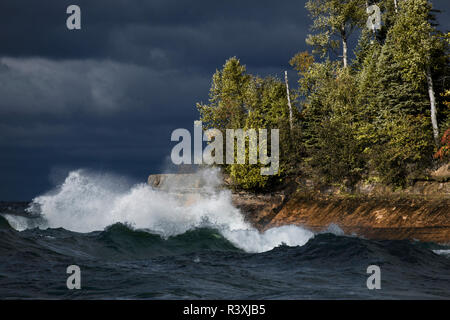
{"points": [[107, 97]]}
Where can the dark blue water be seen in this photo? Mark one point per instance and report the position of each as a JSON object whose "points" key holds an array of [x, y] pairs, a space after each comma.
{"points": [[123, 263]]}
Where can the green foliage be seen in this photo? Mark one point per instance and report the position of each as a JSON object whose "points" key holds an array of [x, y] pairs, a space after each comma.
{"points": [[239, 100], [374, 120], [335, 152], [267, 109], [394, 89], [248, 177], [227, 96], [403, 150], [414, 40], [333, 20], [338, 155], [370, 121]]}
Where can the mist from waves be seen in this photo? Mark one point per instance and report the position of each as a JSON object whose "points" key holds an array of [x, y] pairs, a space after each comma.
{"points": [[87, 202]]}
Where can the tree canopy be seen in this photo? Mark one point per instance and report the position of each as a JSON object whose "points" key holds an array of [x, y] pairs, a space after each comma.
{"points": [[381, 115]]}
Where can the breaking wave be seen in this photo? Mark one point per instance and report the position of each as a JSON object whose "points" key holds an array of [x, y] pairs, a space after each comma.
{"points": [[87, 202]]}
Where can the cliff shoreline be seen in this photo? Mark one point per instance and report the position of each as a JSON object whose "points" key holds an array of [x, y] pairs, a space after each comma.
{"points": [[427, 220], [421, 212]]}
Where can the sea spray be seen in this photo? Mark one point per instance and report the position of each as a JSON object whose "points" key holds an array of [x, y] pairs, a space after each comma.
{"points": [[87, 202]]}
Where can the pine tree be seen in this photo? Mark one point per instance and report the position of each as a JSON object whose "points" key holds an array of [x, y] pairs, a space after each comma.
{"points": [[415, 42], [394, 128], [334, 18], [227, 108], [241, 101]]}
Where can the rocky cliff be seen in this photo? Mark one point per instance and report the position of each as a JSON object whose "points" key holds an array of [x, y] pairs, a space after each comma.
{"points": [[421, 212]]}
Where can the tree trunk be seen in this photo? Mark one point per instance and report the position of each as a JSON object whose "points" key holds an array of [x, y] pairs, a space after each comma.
{"points": [[345, 51], [396, 6], [373, 26], [289, 99], [434, 122]]}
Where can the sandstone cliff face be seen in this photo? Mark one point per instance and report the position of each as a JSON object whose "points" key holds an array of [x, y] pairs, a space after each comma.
{"points": [[421, 212], [425, 220]]}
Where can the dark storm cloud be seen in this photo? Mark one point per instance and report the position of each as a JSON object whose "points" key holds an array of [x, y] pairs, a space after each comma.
{"points": [[42, 86], [108, 96], [186, 34]]}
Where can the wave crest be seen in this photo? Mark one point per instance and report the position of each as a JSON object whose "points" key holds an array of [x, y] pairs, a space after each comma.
{"points": [[87, 202]]}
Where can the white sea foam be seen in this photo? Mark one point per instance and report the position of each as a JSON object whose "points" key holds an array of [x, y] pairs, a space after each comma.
{"points": [[87, 202], [21, 223], [443, 252], [17, 222]]}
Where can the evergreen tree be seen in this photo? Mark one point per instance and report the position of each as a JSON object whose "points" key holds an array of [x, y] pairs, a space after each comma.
{"points": [[334, 18], [268, 109], [415, 44], [395, 132], [227, 108], [242, 101]]}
